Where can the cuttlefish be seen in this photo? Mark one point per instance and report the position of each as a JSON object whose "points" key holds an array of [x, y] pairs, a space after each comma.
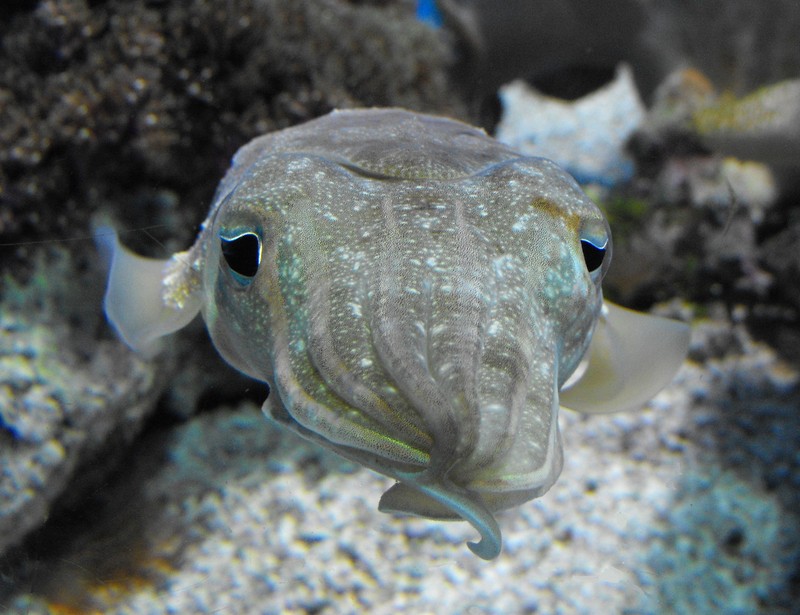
{"points": [[419, 298]]}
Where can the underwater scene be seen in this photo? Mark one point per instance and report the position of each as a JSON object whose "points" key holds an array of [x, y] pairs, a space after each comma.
{"points": [[399, 306]]}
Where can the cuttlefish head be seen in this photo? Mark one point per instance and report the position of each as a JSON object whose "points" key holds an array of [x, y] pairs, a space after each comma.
{"points": [[421, 319], [421, 327]]}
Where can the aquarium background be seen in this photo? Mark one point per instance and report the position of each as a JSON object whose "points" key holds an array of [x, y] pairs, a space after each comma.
{"points": [[157, 486]]}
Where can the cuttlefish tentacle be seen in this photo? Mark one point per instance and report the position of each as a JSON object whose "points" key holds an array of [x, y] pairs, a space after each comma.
{"points": [[417, 487]]}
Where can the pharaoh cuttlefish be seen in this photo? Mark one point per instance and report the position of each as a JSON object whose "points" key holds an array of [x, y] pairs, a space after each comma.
{"points": [[416, 295]]}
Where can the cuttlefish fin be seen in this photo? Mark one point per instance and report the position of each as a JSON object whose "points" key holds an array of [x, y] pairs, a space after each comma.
{"points": [[631, 357], [135, 297]]}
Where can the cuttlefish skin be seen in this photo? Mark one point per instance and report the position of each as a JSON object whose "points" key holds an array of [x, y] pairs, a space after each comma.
{"points": [[415, 294]]}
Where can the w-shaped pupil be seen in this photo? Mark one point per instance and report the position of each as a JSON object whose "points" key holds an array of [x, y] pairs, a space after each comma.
{"points": [[592, 255], [242, 253]]}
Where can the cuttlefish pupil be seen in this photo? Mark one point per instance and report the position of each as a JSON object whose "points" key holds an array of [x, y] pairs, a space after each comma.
{"points": [[417, 296]]}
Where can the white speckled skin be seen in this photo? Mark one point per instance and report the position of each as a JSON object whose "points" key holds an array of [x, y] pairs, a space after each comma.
{"points": [[417, 296], [421, 298]]}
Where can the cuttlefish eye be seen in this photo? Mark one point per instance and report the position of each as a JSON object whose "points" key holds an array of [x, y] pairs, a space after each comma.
{"points": [[595, 241], [593, 254], [242, 253]]}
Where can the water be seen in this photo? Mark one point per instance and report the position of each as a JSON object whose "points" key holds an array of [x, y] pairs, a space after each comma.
{"points": [[158, 486]]}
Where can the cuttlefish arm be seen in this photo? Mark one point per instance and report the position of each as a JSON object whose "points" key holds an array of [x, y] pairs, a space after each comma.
{"points": [[631, 357]]}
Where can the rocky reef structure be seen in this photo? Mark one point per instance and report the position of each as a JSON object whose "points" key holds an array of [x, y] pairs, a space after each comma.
{"points": [[66, 398], [587, 137], [118, 103]]}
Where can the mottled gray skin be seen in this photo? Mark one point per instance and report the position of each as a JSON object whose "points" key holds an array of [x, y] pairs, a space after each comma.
{"points": [[420, 299]]}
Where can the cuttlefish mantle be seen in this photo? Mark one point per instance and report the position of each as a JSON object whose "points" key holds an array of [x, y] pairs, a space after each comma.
{"points": [[417, 296]]}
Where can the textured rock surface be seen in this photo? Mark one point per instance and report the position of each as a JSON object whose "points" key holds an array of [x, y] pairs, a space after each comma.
{"points": [[586, 137], [66, 399], [113, 103]]}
